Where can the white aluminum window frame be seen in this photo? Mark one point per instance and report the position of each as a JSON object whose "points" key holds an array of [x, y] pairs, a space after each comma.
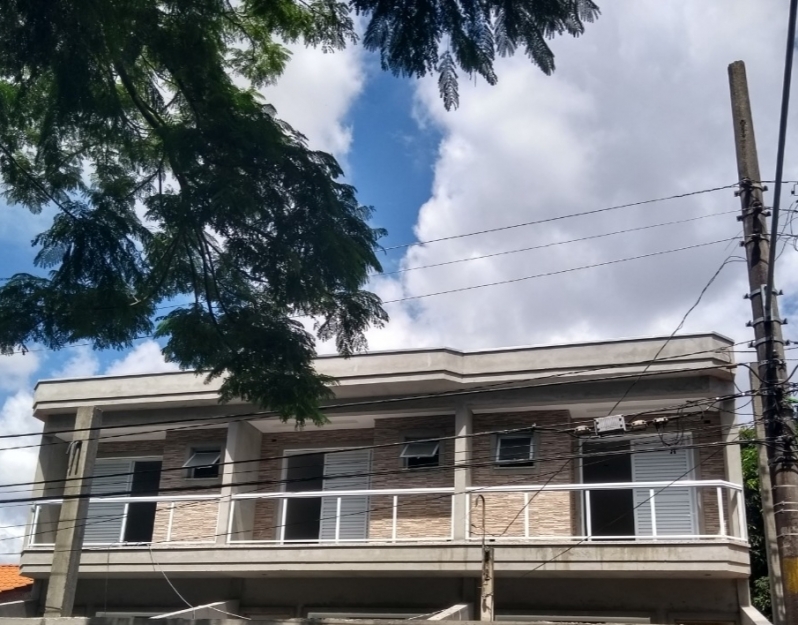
{"points": [[197, 451], [435, 451], [519, 462]]}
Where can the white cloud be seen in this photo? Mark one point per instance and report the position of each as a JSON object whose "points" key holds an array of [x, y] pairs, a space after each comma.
{"points": [[16, 465], [82, 364], [316, 92], [638, 108], [145, 358], [16, 369]]}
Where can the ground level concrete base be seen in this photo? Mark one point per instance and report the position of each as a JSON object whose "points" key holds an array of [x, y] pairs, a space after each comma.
{"points": [[663, 600]]}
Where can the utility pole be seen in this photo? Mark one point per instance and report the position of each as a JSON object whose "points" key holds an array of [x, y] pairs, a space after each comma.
{"points": [[768, 522], [768, 341], [486, 596], [486, 592]]}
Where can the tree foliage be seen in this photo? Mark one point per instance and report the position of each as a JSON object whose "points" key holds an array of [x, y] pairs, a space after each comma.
{"points": [[759, 581], [186, 208]]}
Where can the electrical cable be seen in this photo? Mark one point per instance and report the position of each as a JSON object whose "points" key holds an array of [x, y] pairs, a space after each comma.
{"points": [[678, 327], [719, 444], [500, 386], [533, 427], [331, 407], [578, 455], [561, 217], [556, 243], [215, 487], [557, 272], [623, 515]]}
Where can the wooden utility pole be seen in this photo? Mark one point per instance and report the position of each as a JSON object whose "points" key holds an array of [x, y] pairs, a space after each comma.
{"points": [[768, 522], [768, 341]]}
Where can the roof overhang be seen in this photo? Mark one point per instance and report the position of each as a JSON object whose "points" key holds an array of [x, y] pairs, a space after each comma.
{"points": [[416, 372]]}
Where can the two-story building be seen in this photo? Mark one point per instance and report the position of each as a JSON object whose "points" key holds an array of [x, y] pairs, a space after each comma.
{"points": [[605, 476]]}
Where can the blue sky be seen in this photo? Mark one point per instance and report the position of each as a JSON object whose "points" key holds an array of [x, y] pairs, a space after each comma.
{"points": [[638, 108]]}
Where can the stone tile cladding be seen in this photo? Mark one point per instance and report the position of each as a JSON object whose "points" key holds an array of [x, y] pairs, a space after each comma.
{"points": [[191, 520], [417, 516], [549, 513], [710, 465]]}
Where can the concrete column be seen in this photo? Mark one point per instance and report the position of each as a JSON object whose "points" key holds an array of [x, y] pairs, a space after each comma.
{"points": [[50, 472], [463, 430], [733, 461], [72, 521], [242, 454]]}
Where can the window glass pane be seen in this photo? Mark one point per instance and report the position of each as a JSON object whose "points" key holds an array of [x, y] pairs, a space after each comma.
{"points": [[203, 464], [203, 459], [514, 448], [420, 449]]}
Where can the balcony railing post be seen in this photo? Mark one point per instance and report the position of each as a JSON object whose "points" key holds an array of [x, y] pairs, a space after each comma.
{"points": [[651, 497], [394, 514], [124, 523], [171, 521], [337, 519], [588, 520], [230, 518], [526, 514], [34, 524], [721, 512], [738, 493], [283, 518]]}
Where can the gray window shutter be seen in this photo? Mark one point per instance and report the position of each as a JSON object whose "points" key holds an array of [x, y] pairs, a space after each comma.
{"points": [[674, 507], [104, 520], [348, 470]]}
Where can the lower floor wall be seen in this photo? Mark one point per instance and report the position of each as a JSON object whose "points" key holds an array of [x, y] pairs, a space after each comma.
{"points": [[654, 600]]}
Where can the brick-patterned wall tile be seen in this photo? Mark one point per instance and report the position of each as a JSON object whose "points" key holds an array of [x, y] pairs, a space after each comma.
{"points": [[711, 465], [192, 520], [151, 448], [550, 513], [418, 516]]}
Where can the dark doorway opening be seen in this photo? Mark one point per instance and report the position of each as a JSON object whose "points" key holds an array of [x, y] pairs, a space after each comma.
{"points": [[304, 472], [611, 511], [141, 515]]}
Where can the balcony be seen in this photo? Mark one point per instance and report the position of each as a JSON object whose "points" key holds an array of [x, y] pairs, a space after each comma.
{"points": [[685, 528], [379, 516]]}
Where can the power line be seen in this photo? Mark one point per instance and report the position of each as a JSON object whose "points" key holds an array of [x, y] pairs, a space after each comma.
{"points": [[561, 217], [559, 272], [704, 406], [719, 444], [415, 297], [677, 410], [499, 386], [676, 329], [625, 514], [556, 243]]}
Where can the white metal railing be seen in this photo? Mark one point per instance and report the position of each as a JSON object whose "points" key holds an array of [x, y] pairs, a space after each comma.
{"points": [[382, 517], [46, 517], [727, 500], [423, 515]]}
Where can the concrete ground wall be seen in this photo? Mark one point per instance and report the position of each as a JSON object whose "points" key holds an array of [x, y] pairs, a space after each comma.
{"points": [[660, 600]]}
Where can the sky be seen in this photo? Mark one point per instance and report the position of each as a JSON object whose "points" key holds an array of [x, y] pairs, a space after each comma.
{"points": [[637, 109]]}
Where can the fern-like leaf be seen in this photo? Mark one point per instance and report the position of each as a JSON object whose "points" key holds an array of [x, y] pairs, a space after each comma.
{"points": [[447, 81]]}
